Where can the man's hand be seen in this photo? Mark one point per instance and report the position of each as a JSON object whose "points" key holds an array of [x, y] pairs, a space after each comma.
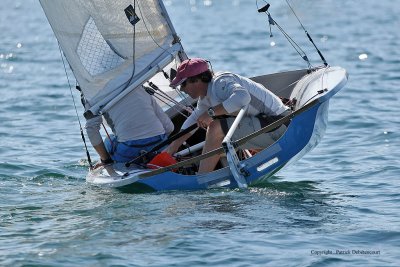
{"points": [[204, 120], [101, 164]]}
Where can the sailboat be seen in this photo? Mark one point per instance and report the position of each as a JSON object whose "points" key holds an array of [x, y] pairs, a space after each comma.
{"points": [[114, 47]]}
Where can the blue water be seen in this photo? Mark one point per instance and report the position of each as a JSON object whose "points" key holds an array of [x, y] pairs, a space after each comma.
{"points": [[344, 195]]}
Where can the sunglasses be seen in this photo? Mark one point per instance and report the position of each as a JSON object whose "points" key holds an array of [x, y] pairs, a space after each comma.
{"points": [[188, 80]]}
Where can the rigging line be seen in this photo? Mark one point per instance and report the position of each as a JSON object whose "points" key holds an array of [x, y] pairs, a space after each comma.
{"points": [[293, 43], [76, 110], [176, 103], [165, 95], [179, 93], [153, 92], [167, 98], [308, 35], [296, 47], [184, 99], [108, 136], [161, 92], [172, 106], [294, 13], [289, 85]]}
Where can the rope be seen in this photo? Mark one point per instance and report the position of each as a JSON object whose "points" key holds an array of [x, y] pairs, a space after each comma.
{"points": [[296, 47], [308, 35], [108, 135], [76, 110]]}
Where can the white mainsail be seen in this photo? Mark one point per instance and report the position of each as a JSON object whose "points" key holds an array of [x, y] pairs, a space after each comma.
{"points": [[104, 49]]}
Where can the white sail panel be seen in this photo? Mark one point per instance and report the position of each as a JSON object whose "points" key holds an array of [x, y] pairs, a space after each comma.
{"points": [[101, 44], [95, 53]]}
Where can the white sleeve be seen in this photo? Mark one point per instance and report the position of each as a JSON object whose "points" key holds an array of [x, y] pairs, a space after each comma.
{"points": [[93, 130], [192, 119], [232, 94]]}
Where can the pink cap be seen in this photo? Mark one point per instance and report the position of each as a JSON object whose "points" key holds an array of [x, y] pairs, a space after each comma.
{"points": [[189, 68]]}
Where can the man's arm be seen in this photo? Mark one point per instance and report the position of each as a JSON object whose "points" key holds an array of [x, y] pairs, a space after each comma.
{"points": [[101, 150], [204, 120], [93, 131], [174, 146], [192, 119]]}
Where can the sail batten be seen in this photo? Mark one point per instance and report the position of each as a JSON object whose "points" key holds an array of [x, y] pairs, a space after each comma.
{"points": [[103, 48]]}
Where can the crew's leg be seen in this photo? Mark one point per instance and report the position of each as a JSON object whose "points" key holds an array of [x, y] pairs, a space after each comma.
{"points": [[214, 137]]}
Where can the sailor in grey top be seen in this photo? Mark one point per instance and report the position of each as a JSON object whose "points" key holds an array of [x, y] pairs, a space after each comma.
{"points": [[136, 120], [235, 92]]}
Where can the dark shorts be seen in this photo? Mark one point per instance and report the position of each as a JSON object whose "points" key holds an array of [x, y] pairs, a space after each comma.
{"points": [[249, 125]]}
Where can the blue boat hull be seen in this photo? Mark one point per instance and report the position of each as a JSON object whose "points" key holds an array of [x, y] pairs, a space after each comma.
{"points": [[303, 134]]}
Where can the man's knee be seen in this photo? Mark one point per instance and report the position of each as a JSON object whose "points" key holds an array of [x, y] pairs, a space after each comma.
{"points": [[215, 129]]}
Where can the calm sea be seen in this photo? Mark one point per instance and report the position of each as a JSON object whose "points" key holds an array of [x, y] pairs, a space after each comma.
{"points": [[338, 206]]}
